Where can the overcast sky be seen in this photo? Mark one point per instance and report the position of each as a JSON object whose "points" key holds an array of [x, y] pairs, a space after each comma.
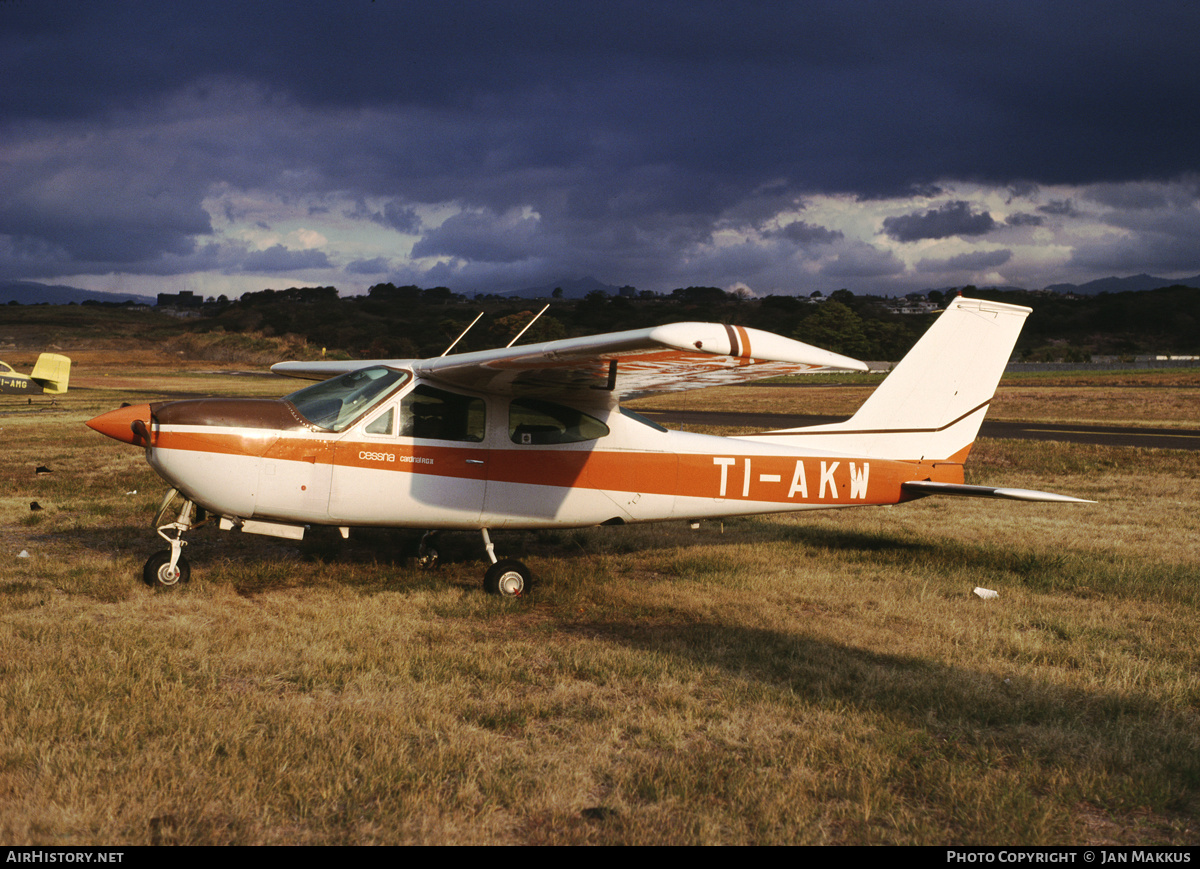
{"points": [[785, 147]]}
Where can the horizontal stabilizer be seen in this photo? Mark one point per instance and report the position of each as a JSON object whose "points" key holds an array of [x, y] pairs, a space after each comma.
{"points": [[927, 487]]}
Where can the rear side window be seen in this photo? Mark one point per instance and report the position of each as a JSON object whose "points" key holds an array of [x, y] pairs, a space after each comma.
{"points": [[533, 421]]}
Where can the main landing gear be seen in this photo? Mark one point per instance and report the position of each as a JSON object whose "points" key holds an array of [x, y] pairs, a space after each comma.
{"points": [[507, 577]]}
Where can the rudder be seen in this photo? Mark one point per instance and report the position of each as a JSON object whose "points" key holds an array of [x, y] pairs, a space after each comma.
{"points": [[931, 405], [53, 372]]}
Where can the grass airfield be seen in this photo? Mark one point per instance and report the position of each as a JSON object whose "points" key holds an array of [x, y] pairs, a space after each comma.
{"points": [[823, 678]]}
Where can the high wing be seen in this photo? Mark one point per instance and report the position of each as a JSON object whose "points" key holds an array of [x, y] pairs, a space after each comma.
{"points": [[617, 365]]}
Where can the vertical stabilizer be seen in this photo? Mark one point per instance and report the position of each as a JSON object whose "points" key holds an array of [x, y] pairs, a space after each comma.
{"points": [[931, 406], [52, 372]]}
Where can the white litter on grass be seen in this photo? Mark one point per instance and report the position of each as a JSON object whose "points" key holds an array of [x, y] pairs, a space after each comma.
{"points": [[986, 593], [134, 492], [24, 553]]}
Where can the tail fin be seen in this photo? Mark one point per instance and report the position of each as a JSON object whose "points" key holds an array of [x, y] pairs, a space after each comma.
{"points": [[53, 372], [931, 406]]}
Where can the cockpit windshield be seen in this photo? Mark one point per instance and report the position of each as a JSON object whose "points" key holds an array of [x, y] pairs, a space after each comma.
{"points": [[335, 404]]}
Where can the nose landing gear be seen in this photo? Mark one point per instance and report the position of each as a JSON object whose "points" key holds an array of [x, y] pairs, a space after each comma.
{"points": [[169, 569]]}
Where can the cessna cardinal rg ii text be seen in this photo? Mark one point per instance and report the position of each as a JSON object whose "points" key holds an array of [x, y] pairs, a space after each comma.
{"points": [[535, 437]]}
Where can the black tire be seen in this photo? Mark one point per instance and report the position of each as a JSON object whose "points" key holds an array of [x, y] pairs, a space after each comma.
{"points": [[508, 578], [155, 572]]}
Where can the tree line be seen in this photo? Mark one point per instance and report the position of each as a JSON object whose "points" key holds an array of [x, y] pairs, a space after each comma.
{"points": [[410, 322]]}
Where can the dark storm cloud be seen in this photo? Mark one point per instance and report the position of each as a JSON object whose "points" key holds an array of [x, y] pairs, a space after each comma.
{"points": [[393, 215], [278, 258], [804, 234], [1060, 208], [632, 130], [710, 86], [1157, 236], [967, 262], [953, 218], [1020, 218], [864, 261], [96, 197], [482, 237], [376, 266]]}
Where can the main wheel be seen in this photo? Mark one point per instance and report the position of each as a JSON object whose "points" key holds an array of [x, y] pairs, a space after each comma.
{"points": [[157, 571], [508, 578], [427, 554]]}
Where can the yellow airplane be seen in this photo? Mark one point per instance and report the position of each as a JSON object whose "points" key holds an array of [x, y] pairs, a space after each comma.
{"points": [[49, 377]]}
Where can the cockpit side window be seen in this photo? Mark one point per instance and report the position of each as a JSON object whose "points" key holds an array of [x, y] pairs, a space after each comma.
{"points": [[435, 414], [533, 421], [382, 424]]}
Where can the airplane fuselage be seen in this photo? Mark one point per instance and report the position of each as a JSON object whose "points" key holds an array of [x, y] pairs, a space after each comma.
{"points": [[259, 460], [12, 383]]}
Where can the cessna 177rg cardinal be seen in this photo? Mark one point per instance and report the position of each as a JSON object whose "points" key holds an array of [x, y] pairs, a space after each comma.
{"points": [[535, 437]]}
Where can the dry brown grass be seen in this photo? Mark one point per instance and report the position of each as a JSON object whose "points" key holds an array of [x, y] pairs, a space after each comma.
{"points": [[821, 678]]}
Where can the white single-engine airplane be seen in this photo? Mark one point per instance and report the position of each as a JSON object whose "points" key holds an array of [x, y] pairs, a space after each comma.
{"points": [[535, 437]]}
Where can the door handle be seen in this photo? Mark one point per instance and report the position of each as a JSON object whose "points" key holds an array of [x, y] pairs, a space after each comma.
{"points": [[474, 461]]}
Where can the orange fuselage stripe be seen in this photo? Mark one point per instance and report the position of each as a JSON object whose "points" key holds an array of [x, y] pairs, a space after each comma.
{"points": [[788, 478]]}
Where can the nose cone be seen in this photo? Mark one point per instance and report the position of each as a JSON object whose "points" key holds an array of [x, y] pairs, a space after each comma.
{"points": [[119, 424]]}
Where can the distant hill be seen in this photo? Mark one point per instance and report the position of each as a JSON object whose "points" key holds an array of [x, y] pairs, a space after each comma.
{"points": [[1136, 283], [33, 293], [570, 289]]}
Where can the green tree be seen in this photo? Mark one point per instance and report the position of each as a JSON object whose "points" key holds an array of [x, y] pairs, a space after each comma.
{"points": [[833, 326]]}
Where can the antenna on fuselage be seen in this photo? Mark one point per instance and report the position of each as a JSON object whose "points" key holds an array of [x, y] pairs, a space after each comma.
{"points": [[464, 332], [527, 325]]}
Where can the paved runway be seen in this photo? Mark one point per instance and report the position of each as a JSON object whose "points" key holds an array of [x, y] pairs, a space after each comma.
{"points": [[1170, 438]]}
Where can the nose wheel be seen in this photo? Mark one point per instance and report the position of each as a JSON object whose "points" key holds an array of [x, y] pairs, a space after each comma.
{"points": [[161, 573]]}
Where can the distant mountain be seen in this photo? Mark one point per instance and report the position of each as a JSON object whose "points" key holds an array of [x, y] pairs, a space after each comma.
{"points": [[33, 293], [954, 291], [570, 289], [1136, 283]]}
